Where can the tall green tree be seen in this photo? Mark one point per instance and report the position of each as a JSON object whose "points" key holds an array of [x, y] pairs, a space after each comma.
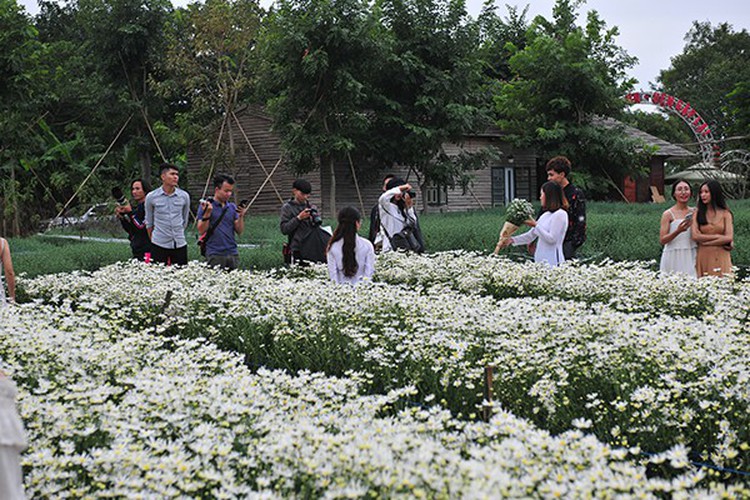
{"points": [[320, 57], [428, 91], [564, 78], [710, 74], [212, 67]]}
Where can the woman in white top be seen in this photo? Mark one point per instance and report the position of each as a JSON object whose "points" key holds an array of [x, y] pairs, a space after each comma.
{"points": [[397, 211], [10, 277], [549, 229], [680, 250], [350, 257]]}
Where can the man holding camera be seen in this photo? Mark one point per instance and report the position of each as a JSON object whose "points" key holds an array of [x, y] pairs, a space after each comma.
{"points": [[218, 221], [167, 215], [301, 222]]}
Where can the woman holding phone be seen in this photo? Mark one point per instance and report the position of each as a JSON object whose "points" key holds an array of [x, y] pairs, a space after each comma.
{"points": [[680, 250]]}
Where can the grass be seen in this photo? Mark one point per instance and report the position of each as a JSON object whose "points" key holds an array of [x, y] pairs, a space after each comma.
{"points": [[617, 231]]}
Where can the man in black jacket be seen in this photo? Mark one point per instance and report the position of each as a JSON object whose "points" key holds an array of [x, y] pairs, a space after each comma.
{"points": [[134, 220], [301, 221], [558, 170]]}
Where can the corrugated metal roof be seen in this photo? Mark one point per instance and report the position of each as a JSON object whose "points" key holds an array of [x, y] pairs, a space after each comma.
{"points": [[665, 149]]}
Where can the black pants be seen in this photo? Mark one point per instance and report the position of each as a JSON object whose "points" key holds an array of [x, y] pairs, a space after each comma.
{"points": [[170, 256], [569, 250]]}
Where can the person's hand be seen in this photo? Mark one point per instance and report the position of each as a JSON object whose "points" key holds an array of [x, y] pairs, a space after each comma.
{"points": [[531, 248], [503, 243], [304, 215], [684, 225], [405, 187], [729, 246], [208, 207], [530, 222], [243, 211]]}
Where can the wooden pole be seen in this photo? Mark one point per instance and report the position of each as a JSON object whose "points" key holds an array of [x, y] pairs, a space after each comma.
{"points": [[487, 406], [62, 210], [257, 158]]}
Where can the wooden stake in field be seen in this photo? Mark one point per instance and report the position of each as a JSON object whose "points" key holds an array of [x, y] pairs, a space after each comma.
{"points": [[487, 404]]}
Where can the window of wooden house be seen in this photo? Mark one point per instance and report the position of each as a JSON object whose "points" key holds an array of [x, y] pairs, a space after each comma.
{"points": [[437, 195]]}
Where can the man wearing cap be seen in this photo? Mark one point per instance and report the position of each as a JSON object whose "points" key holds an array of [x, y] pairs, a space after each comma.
{"points": [[296, 217]]}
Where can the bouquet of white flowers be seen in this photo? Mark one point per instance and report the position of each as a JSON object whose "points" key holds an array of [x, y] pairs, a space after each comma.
{"points": [[517, 212]]}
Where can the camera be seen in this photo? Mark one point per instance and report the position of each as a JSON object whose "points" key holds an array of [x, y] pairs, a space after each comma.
{"points": [[412, 194], [119, 197], [315, 218]]}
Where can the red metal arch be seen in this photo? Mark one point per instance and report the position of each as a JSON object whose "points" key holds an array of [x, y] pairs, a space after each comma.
{"points": [[709, 149]]}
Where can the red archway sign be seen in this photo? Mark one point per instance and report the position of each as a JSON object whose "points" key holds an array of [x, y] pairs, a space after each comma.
{"points": [[709, 149]]}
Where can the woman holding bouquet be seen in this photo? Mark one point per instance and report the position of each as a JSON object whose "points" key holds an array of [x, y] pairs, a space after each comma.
{"points": [[549, 229]]}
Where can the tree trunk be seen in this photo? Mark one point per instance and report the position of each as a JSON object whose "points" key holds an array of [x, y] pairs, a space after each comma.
{"points": [[16, 217], [332, 182]]}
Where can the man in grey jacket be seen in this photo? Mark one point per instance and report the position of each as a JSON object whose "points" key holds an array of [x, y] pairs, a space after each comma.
{"points": [[298, 218]]}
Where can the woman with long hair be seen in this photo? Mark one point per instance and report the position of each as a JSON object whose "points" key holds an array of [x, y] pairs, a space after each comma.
{"points": [[713, 230], [350, 257], [550, 229], [680, 250]]}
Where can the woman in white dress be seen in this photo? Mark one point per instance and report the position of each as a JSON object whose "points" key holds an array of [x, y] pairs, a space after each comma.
{"points": [[680, 250], [350, 257], [10, 277], [549, 229]]}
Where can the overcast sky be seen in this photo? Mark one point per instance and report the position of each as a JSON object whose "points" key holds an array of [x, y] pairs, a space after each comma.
{"points": [[651, 31]]}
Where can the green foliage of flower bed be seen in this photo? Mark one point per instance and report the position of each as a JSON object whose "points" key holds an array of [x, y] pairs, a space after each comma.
{"points": [[117, 412], [616, 363]]}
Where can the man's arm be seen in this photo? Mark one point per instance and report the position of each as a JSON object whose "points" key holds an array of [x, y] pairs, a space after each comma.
{"points": [[289, 220], [186, 211], [578, 216], [239, 222], [149, 214]]}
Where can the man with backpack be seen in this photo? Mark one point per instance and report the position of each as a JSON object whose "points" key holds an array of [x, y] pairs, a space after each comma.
{"points": [[301, 222]]}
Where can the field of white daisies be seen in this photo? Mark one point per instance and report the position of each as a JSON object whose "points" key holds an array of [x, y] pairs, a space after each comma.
{"points": [[608, 381]]}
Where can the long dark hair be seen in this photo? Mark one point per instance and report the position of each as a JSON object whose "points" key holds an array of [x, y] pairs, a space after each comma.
{"points": [[347, 229], [554, 198], [717, 200]]}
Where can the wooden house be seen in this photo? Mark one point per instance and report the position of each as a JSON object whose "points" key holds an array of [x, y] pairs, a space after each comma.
{"points": [[264, 178]]}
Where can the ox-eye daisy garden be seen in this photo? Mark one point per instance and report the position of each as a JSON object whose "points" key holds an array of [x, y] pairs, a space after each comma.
{"points": [[608, 380]]}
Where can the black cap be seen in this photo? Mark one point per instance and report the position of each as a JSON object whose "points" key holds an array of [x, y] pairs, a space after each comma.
{"points": [[395, 182], [302, 186]]}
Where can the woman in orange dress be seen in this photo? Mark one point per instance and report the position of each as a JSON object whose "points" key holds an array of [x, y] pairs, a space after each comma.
{"points": [[713, 230]]}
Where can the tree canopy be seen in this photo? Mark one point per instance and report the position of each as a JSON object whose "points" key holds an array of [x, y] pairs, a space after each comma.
{"points": [[713, 74]]}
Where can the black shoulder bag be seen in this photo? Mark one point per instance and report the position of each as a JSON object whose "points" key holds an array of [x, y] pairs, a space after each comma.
{"points": [[203, 239], [406, 239]]}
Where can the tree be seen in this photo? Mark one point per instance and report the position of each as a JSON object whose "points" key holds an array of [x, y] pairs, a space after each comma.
{"points": [[710, 73], [212, 61], [320, 57], [428, 91], [19, 73], [564, 78]]}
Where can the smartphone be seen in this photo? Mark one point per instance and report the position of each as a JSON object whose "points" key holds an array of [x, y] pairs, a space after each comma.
{"points": [[689, 216], [244, 203]]}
